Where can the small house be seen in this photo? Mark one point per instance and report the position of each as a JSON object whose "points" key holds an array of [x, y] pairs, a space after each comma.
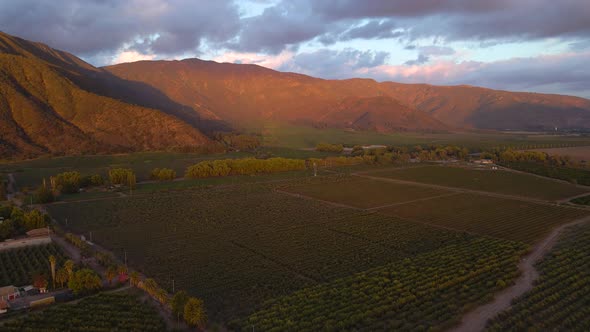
{"points": [[4, 306], [8, 293]]}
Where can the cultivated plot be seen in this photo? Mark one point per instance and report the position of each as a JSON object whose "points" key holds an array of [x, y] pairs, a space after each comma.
{"points": [[239, 246], [559, 300], [365, 193], [495, 181], [498, 217]]}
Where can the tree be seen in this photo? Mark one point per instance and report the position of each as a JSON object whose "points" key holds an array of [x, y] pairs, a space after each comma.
{"points": [[178, 302], [194, 312], [134, 278], [61, 277], [111, 273], [84, 281], [35, 219], [40, 281], [44, 194], [52, 262], [69, 267], [123, 176], [67, 182]]}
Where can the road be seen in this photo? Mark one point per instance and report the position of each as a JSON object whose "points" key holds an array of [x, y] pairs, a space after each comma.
{"points": [[476, 319]]}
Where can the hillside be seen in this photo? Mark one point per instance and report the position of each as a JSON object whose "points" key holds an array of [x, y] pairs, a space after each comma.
{"points": [[46, 109], [241, 94]]}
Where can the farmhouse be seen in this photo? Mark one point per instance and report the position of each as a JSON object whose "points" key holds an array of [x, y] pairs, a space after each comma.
{"points": [[4, 306], [34, 237], [8, 293], [483, 161]]}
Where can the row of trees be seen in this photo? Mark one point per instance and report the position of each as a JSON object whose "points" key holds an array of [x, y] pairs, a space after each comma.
{"points": [[242, 142], [123, 176], [327, 147], [246, 166], [163, 174], [17, 221]]}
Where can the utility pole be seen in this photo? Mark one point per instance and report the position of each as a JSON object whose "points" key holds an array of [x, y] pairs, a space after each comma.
{"points": [[125, 257], [173, 285], [315, 169], [90, 236]]}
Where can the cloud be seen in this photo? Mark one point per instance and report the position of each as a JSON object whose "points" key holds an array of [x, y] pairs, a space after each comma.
{"points": [[91, 27], [563, 73], [428, 52]]}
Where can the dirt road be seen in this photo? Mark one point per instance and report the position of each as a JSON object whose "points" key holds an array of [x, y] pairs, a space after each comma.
{"points": [[476, 319]]}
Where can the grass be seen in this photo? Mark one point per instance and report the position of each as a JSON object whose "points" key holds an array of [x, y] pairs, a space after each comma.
{"points": [[364, 193], [497, 217], [502, 182], [240, 246]]}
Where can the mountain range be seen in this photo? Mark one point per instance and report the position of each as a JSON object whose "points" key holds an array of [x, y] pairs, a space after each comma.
{"points": [[52, 102]]}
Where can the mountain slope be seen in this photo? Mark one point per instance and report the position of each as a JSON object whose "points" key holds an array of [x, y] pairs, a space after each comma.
{"points": [[242, 94], [43, 111]]}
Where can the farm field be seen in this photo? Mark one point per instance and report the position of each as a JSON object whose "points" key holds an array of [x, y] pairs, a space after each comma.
{"points": [[502, 182], [578, 153], [296, 137], [18, 266], [426, 292], [104, 312], [364, 193], [497, 217], [561, 296], [240, 246], [31, 173]]}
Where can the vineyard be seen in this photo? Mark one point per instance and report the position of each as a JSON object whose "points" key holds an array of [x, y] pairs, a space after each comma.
{"points": [[497, 217], [560, 300], [237, 247], [18, 266], [428, 291], [103, 312], [364, 193], [502, 182]]}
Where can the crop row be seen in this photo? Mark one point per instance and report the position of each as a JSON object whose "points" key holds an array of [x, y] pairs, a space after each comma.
{"points": [[104, 312], [560, 299], [428, 291], [239, 246], [18, 266], [498, 217]]}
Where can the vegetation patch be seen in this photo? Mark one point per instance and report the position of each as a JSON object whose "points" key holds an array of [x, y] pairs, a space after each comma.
{"points": [[559, 301], [364, 193], [19, 267], [496, 181], [103, 312], [498, 217], [428, 291]]}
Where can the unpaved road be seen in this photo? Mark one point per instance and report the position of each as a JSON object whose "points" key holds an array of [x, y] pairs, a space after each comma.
{"points": [[476, 319]]}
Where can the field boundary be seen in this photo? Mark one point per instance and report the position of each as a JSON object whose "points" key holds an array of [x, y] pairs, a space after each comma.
{"points": [[476, 319], [468, 191]]}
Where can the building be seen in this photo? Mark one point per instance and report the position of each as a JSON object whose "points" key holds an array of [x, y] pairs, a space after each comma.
{"points": [[4, 306], [8, 293], [483, 161], [34, 237]]}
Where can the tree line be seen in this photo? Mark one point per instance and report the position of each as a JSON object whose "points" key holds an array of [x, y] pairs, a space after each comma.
{"points": [[246, 166], [16, 222]]}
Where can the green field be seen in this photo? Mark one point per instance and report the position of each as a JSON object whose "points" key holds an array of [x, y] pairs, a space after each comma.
{"points": [[293, 136], [18, 266], [497, 217], [495, 181], [560, 300], [30, 174], [104, 312], [240, 246], [430, 291], [364, 193]]}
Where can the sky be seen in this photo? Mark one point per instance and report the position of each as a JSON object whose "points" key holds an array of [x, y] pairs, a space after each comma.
{"points": [[518, 45]]}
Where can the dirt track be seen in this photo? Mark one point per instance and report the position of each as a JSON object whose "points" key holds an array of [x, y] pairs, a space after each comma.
{"points": [[476, 319]]}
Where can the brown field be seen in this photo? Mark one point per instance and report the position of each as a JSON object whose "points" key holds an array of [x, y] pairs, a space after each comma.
{"points": [[578, 153]]}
